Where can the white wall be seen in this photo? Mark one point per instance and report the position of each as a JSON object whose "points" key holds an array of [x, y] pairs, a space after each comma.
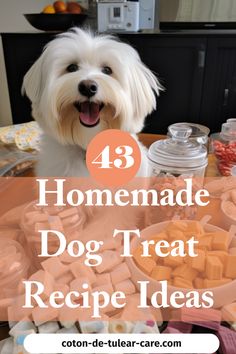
{"points": [[5, 109], [11, 13], [12, 20], [169, 9]]}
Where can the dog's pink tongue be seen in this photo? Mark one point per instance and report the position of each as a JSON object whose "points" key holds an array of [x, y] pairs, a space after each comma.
{"points": [[89, 113]]}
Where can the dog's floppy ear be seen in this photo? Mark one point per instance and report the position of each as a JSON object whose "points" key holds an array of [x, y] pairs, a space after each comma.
{"points": [[143, 86], [33, 81]]}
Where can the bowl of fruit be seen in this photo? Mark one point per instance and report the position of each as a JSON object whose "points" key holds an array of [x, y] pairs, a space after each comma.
{"points": [[213, 269], [59, 16]]}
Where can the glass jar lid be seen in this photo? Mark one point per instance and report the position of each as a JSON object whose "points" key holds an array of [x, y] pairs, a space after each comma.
{"points": [[178, 150], [198, 131], [228, 129]]}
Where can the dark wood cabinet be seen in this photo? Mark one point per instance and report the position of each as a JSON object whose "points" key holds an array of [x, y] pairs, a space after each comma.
{"points": [[20, 52], [179, 64], [198, 71], [219, 91]]}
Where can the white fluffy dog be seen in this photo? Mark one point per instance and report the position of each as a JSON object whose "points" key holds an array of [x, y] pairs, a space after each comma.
{"points": [[81, 85]]}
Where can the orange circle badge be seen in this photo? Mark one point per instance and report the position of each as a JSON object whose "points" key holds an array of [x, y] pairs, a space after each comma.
{"points": [[113, 157]]}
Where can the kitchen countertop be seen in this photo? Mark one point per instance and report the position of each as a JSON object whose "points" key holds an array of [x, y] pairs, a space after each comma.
{"points": [[154, 32]]}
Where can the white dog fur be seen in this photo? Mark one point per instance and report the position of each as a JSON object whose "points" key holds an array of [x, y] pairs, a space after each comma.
{"points": [[126, 93]]}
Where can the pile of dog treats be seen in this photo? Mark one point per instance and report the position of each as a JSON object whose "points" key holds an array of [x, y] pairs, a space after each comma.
{"points": [[186, 321], [214, 266], [64, 273], [226, 155], [19, 331], [25, 136], [69, 221], [208, 321]]}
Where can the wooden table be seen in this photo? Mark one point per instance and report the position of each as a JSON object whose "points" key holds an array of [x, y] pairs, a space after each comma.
{"points": [[147, 140]]}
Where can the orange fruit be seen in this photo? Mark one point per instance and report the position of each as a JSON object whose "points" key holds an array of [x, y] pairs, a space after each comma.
{"points": [[49, 10], [74, 8], [59, 6]]}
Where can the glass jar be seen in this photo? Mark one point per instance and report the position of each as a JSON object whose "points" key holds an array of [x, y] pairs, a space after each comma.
{"points": [[178, 155], [223, 145]]}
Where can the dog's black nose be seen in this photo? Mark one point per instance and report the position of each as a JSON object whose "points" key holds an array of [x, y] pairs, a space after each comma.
{"points": [[88, 88]]}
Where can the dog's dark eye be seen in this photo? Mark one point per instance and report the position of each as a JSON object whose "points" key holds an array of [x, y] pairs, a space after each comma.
{"points": [[107, 70], [72, 68]]}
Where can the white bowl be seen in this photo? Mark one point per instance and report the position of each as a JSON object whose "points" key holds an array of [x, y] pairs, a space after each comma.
{"points": [[227, 219], [222, 295]]}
